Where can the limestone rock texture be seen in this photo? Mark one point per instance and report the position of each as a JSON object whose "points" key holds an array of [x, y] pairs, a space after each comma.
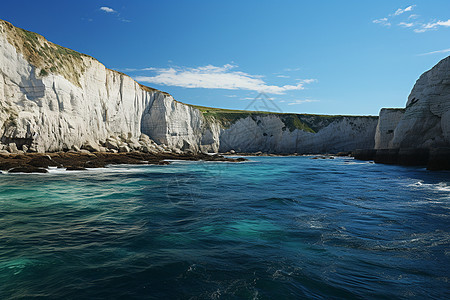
{"points": [[269, 133], [387, 122], [53, 98], [77, 102], [425, 122]]}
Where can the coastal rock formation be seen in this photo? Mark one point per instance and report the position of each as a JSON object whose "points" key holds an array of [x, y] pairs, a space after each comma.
{"points": [[387, 122], [425, 122], [419, 134], [53, 98], [271, 134]]}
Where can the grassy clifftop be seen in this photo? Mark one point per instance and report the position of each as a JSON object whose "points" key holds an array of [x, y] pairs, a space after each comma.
{"points": [[49, 58], [305, 122], [44, 55]]}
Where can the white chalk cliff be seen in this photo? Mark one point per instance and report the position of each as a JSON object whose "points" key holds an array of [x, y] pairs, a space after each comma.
{"points": [[387, 122], [425, 122], [53, 98]]}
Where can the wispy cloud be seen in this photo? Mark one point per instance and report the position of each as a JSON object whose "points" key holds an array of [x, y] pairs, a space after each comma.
{"points": [[136, 69], [212, 77], [406, 25], [386, 21], [436, 52], [382, 21], [108, 9], [283, 76], [296, 102], [410, 21], [432, 26], [401, 11]]}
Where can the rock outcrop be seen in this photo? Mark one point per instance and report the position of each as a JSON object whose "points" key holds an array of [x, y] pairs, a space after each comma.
{"points": [[387, 122], [53, 98], [419, 134], [425, 122]]}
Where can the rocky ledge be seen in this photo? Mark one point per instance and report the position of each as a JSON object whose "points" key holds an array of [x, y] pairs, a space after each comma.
{"points": [[72, 160], [433, 159]]}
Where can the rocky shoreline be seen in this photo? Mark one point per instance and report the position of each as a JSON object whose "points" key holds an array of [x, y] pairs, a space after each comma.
{"points": [[74, 161], [434, 159]]}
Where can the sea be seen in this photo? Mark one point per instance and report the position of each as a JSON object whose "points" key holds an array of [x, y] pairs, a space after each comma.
{"points": [[267, 228]]}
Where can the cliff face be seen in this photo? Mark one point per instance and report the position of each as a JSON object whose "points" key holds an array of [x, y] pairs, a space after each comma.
{"points": [[425, 122], [53, 98], [387, 122]]}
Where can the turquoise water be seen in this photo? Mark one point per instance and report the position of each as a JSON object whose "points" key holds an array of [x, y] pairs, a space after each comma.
{"points": [[274, 227]]}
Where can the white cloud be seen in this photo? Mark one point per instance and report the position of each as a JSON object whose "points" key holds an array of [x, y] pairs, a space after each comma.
{"points": [[436, 52], [212, 77], [108, 9], [283, 76], [406, 25], [295, 102], [413, 16], [401, 11], [382, 21], [135, 70], [433, 26], [386, 22]]}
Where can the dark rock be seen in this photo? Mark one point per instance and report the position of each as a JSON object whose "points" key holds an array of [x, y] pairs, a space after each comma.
{"points": [[364, 154], [33, 162], [386, 156], [27, 169], [75, 168], [439, 159], [43, 161], [413, 157], [347, 153]]}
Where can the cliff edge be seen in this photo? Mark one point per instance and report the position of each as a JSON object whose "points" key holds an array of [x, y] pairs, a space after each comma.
{"points": [[53, 98], [425, 121]]}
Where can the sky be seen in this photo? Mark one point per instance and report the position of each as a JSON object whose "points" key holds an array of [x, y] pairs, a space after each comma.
{"points": [[316, 56]]}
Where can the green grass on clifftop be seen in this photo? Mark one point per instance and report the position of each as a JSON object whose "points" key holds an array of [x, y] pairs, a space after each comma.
{"points": [[306, 122]]}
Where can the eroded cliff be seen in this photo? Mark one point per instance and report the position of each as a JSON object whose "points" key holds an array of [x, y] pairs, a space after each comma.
{"points": [[53, 98], [425, 122]]}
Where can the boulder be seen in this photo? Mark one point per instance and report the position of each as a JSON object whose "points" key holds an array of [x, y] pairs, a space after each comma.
{"points": [[43, 161], [91, 146], [124, 148], [12, 148], [111, 144], [27, 169]]}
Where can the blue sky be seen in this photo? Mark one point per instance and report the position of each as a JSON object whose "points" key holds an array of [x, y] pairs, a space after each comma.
{"points": [[326, 57]]}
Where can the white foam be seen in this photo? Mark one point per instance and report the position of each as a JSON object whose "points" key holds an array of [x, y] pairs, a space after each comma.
{"points": [[441, 186]]}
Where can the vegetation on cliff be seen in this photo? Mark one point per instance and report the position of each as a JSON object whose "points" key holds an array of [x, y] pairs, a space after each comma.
{"points": [[46, 56], [306, 122]]}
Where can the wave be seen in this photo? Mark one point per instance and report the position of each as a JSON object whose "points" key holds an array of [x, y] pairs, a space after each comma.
{"points": [[441, 186]]}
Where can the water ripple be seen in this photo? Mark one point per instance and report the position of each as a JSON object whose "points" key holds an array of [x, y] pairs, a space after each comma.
{"points": [[276, 227]]}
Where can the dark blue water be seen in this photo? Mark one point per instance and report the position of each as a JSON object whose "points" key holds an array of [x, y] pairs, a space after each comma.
{"points": [[280, 228]]}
